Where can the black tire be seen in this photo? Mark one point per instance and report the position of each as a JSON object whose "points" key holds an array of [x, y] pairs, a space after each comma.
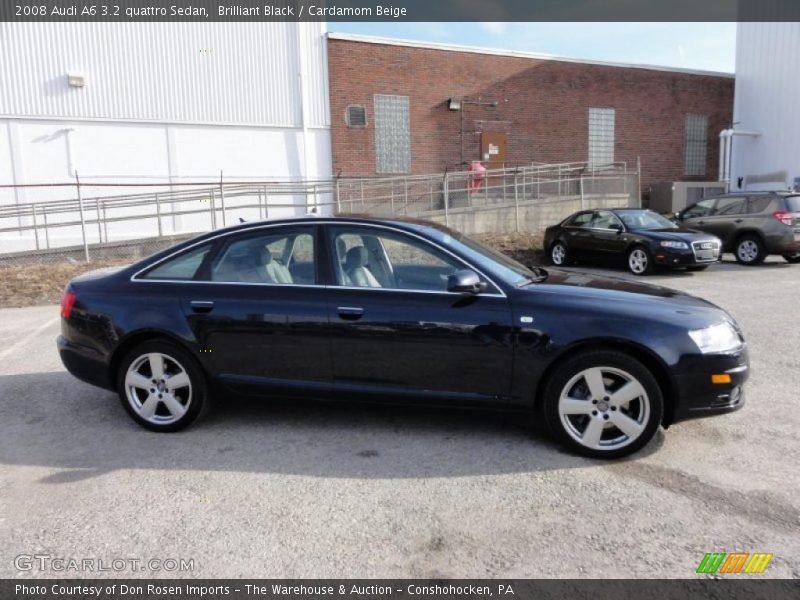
{"points": [[749, 250], [697, 268], [193, 398], [559, 254], [646, 411], [639, 255], [792, 258]]}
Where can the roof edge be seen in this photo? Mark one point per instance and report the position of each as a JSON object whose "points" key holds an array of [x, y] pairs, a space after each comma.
{"points": [[369, 39]]}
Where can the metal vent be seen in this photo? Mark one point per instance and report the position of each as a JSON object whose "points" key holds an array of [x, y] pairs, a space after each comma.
{"points": [[356, 116]]}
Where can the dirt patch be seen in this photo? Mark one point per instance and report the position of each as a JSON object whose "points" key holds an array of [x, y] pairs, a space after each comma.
{"points": [[32, 285], [522, 247]]}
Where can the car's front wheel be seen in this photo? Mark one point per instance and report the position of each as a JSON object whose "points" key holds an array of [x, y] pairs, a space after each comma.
{"points": [[559, 254], [161, 386], [749, 250], [603, 404], [639, 261], [792, 258]]}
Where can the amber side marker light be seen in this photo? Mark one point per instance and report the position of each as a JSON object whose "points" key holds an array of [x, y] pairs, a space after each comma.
{"points": [[721, 378]]}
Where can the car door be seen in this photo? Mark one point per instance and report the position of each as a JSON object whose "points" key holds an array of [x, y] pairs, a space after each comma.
{"points": [[578, 235], [726, 217], [397, 333], [696, 215], [258, 314], [606, 238]]}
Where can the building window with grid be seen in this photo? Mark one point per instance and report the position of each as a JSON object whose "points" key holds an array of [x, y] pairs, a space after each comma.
{"points": [[392, 134], [695, 144], [601, 137]]}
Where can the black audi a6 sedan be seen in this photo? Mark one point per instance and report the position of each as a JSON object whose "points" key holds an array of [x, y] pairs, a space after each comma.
{"points": [[644, 239], [398, 311]]}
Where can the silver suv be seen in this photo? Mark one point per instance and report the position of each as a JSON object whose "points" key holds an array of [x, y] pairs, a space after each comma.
{"points": [[750, 224]]}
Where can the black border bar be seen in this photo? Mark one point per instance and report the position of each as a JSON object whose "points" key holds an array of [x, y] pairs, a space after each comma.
{"points": [[401, 10], [728, 588]]}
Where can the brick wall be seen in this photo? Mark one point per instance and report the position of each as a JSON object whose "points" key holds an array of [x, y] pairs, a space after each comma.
{"points": [[543, 102]]}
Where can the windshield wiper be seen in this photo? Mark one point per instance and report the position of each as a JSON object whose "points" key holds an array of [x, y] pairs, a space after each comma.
{"points": [[541, 275]]}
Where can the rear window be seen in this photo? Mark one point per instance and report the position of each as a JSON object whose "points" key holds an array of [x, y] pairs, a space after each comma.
{"points": [[793, 203]]}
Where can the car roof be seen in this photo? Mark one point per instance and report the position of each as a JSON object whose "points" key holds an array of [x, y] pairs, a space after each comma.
{"points": [[408, 223]]}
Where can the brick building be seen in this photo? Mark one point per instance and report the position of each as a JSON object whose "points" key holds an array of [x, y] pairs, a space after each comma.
{"points": [[391, 111]]}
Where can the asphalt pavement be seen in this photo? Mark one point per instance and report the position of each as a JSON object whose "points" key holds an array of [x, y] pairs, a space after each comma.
{"points": [[309, 490]]}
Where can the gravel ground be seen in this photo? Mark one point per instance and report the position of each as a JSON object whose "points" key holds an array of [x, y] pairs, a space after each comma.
{"points": [[284, 490]]}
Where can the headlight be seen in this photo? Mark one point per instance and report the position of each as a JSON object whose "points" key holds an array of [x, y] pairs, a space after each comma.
{"points": [[680, 245], [717, 338]]}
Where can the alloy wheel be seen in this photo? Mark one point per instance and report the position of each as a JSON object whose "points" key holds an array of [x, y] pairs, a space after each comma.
{"points": [[604, 408], [158, 388], [637, 261], [747, 251], [558, 254]]}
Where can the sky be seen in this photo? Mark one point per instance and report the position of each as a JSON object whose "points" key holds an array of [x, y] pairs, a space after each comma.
{"points": [[705, 46]]}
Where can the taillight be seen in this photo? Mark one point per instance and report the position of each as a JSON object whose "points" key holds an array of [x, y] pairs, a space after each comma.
{"points": [[67, 302], [784, 217]]}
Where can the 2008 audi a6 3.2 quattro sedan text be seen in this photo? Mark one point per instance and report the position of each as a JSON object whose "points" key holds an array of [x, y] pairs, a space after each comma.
{"points": [[398, 311]]}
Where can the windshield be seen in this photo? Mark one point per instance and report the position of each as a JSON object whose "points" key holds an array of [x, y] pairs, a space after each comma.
{"points": [[793, 203], [486, 259], [645, 219]]}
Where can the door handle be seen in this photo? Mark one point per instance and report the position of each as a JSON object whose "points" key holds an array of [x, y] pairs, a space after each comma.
{"points": [[350, 313], [202, 306], [738, 220], [701, 222]]}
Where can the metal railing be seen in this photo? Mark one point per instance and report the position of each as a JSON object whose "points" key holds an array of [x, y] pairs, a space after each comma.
{"points": [[92, 219]]}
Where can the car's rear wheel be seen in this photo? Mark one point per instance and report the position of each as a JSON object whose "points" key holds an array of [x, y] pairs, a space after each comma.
{"points": [[161, 386], [559, 254], [749, 250], [792, 258], [603, 404], [639, 261]]}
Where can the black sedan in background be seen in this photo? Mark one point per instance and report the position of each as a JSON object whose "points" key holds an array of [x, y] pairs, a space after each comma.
{"points": [[643, 239], [398, 311]]}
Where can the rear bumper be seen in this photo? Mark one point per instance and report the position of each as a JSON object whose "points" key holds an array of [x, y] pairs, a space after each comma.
{"points": [[782, 243], [700, 397], [84, 363]]}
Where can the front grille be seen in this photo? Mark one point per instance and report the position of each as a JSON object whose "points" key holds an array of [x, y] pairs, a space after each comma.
{"points": [[705, 251]]}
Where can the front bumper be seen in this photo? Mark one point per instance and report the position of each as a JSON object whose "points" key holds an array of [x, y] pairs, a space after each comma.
{"points": [[687, 257], [84, 363], [699, 397]]}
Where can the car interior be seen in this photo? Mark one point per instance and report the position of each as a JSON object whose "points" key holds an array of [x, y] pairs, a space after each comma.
{"points": [[284, 259], [388, 261]]}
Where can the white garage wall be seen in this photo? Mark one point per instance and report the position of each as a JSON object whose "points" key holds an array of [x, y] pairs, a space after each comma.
{"points": [[766, 102], [163, 103]]}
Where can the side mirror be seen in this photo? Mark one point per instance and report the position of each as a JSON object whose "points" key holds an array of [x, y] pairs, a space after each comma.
{"points": [[465, 282], [616, 227], [676, 216]]}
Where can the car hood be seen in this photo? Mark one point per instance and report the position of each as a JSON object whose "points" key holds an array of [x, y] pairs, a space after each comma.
{"points": [[625, 297], [683, 235]]}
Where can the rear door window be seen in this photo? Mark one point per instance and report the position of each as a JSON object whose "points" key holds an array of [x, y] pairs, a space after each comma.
{"points": [[581, 220], [729, 206], [758, 204], [702, 209]]}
